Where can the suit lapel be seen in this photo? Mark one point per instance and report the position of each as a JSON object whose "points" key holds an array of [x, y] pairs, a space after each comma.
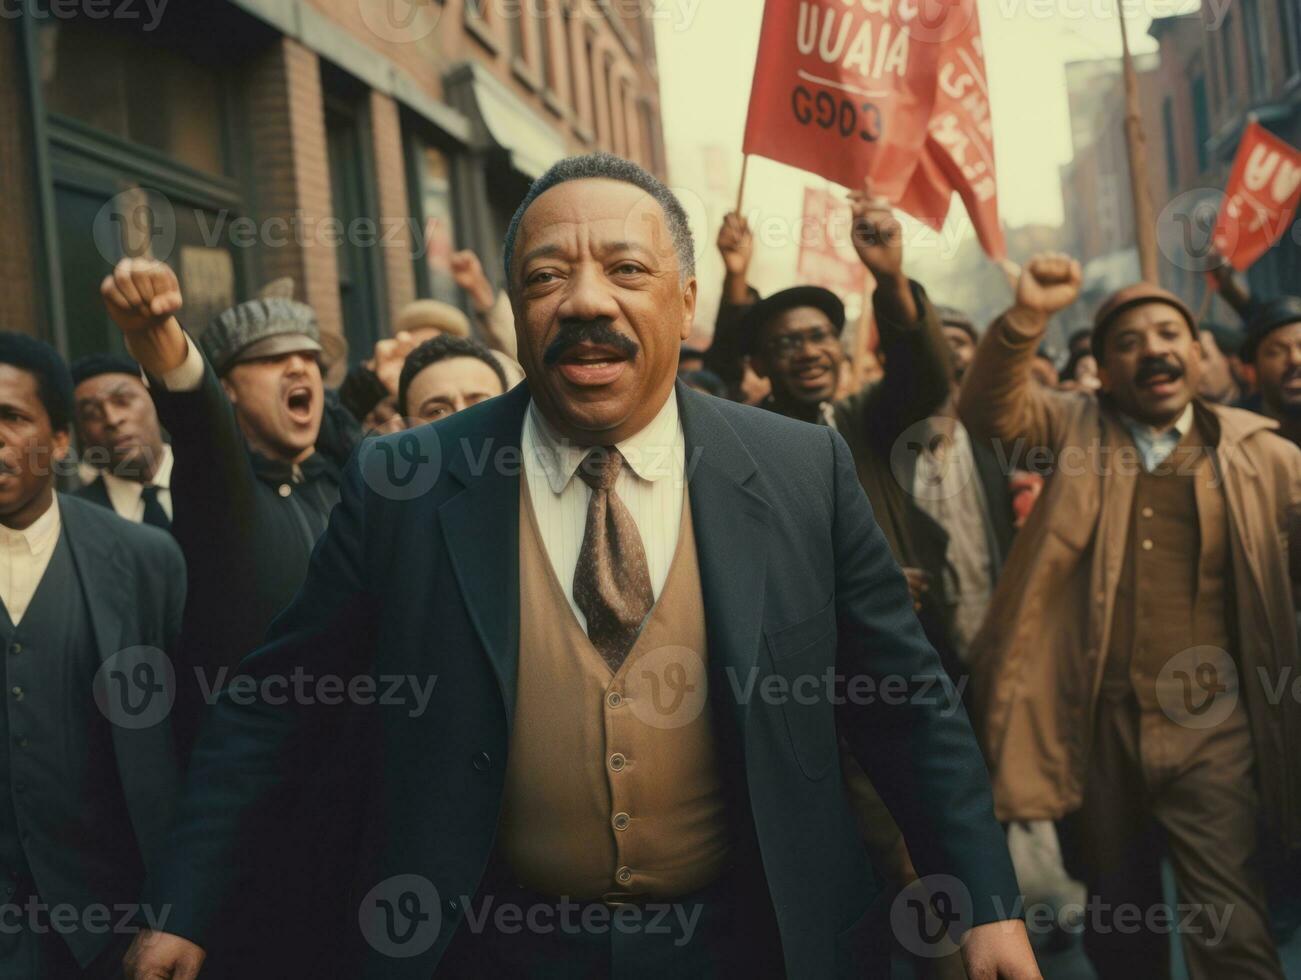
{"points": [[481, 527], [731, 523], [146, 756], [107, 580]]}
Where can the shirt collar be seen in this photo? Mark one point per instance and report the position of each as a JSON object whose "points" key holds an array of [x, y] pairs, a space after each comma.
{"points": [[39, 534], [162, 476], [652, 453], [1176, 432]]}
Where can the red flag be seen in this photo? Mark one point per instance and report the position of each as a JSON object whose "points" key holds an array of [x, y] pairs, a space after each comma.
{"points": [[892, 91], [960, 136], [843, 90], [929, 193], [827, 257], [1261, 199]]}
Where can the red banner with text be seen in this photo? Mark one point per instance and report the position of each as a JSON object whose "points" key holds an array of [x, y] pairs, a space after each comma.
{"points": [[894, 90], [1261, 198]]}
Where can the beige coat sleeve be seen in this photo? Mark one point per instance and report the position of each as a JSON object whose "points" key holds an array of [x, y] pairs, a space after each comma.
{"points": [[1000, 398]]}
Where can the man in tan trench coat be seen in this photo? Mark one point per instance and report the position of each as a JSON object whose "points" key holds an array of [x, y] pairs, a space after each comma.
{"points": [[1138, 662]]}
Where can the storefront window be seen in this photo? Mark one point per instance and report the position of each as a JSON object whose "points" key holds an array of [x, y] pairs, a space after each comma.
{"points": [[134, 91]]}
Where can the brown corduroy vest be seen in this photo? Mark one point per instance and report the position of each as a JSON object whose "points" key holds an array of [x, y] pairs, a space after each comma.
{"points": [[1175, 586], [612, 785]]}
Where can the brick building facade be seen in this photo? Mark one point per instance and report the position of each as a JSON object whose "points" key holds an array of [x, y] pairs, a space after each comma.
{"points": [[1211, 71], [1220, 66], [349, 145]]}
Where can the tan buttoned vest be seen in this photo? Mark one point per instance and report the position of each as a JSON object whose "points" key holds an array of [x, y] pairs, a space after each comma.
{"points": [[1176, 583], [612, 786]]}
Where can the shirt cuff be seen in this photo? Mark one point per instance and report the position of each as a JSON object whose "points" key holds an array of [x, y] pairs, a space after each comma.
{"points": [[188, 375]]}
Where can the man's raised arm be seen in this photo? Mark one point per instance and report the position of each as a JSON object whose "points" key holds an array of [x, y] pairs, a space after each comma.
{"points": [[918, 366], [1000, 398]]}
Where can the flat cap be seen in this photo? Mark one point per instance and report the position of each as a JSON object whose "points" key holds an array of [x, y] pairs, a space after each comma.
{"points": [[1137, 294], [260, 328]]}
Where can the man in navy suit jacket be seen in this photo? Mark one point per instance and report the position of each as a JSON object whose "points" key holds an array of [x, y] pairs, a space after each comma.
{"points": [[419, 576]]}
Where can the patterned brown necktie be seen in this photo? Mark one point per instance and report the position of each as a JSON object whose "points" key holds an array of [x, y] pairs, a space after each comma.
{"points": [[611, 580]]}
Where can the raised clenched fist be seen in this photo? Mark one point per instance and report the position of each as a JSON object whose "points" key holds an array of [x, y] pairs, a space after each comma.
{"points": [[141, 295], [467, 271], [878, 235], [735, 244], [1049, 282]]}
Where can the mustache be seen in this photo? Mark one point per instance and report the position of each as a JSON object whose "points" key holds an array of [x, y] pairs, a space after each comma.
{"points": [[1153, 366], [1291, 374], [600, 331]]}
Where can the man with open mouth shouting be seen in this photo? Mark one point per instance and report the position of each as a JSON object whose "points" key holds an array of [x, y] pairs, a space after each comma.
{"points": [[258, 449], [1126, 676]]}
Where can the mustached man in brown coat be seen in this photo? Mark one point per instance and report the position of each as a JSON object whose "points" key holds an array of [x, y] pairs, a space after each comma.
{"points": [[1135, 671]]}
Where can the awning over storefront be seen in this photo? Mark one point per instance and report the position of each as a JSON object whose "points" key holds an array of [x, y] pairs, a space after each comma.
{"points": [[501, 120]]}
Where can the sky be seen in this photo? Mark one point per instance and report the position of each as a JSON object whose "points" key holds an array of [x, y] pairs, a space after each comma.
{"points": [[706, 52]]}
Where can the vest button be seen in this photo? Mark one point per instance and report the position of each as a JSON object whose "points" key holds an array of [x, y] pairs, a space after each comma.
{"points": [[285, 490], [618, 761], [614, 699], [621, 821], [15, 648], [1148, 512], [624, 875], [483, 762], [17, 692], [1147, 544]]}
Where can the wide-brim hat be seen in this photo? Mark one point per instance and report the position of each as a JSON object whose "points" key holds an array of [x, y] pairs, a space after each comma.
{"points": [[760, 313], [433, 314]]}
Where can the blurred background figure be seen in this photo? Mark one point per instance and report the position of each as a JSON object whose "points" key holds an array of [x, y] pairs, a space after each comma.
{"points": [[446, 375], [370, 390], [119, 435], [706, 381], [492, 309], [1273, 350]]}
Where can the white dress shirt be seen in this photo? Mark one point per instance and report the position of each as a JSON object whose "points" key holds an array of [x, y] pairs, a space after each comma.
{"points": [[24, 556], [1155, 447], [651, 485], [188, 375], [946, 485], [126, 495]]}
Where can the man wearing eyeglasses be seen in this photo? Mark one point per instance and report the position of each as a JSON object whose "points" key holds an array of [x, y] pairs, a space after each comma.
{"points": [[794, 341]]}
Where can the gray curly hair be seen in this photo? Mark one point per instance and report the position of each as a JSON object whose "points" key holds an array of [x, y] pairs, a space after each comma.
{"points": [[607, 166]]}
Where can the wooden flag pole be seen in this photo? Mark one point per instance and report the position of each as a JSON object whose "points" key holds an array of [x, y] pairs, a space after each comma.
{"points": [[1136, 141], [740, 191], [1205, 306]]}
